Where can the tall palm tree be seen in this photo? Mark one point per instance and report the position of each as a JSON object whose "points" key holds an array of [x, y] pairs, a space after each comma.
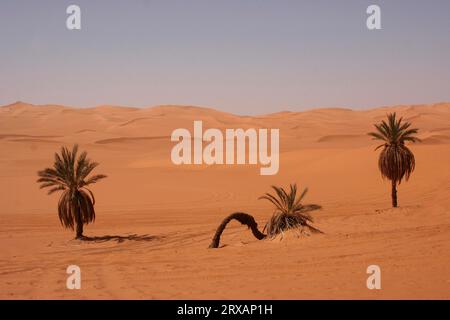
{"points": [[70, 175], [396, 161], [290, 212]]}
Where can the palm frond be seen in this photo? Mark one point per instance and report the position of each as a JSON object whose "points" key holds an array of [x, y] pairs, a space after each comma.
{"points": [[93, 179], [58, 188]]}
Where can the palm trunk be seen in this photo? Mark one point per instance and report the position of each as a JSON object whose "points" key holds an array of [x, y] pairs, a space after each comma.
{"points": [[79, 230], [243, 218], [394, 194], [79, 224]]}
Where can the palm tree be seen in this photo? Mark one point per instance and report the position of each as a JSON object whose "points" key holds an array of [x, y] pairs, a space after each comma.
{"points": [[289, 211], [396, 161], [70, 175]]}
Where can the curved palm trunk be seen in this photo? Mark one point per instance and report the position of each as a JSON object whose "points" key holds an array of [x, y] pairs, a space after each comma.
{"points": [[394, 194], [243, 218]]}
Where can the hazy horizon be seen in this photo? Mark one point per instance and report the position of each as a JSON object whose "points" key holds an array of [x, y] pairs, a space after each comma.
{"points": [[249, 57], [306, 109]]}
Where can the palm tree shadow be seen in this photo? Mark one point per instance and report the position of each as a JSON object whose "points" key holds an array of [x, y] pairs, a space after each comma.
{"points": [[119, 239]]}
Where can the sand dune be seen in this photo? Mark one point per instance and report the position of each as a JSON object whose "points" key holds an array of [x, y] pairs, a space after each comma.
{"points": [[155, 219], [129, 139], [436, 139]]}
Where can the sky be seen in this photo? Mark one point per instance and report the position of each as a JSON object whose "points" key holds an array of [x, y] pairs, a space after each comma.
{"points": [[245, 57]]}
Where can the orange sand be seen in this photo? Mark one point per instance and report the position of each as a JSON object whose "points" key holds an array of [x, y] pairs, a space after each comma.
{"points": [[179, 207]]}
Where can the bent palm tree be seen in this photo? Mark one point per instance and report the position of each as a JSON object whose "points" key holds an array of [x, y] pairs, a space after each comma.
{"points": [[70, 175], [289, 211], [396, 161]]}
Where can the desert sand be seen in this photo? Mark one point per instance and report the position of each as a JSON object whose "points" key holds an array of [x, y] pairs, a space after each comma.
{"points": [[162, 217]]}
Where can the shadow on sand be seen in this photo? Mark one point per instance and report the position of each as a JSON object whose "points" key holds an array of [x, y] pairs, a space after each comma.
{"points": [[131, 237]]}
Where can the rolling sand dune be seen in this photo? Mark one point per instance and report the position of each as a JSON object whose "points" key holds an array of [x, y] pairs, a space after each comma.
{"points": [[155, 220]]}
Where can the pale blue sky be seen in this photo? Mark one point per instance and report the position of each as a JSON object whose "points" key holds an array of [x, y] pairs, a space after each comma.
{"points": [[245, 57]]}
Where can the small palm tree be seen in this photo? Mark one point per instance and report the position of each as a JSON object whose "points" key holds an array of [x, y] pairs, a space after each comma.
{"points": [[290, 212], [70, 175], [396, 161]]}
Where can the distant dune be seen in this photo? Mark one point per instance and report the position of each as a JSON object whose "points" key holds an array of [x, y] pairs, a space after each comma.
{"points": [[129, 139], [327, 150]]}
